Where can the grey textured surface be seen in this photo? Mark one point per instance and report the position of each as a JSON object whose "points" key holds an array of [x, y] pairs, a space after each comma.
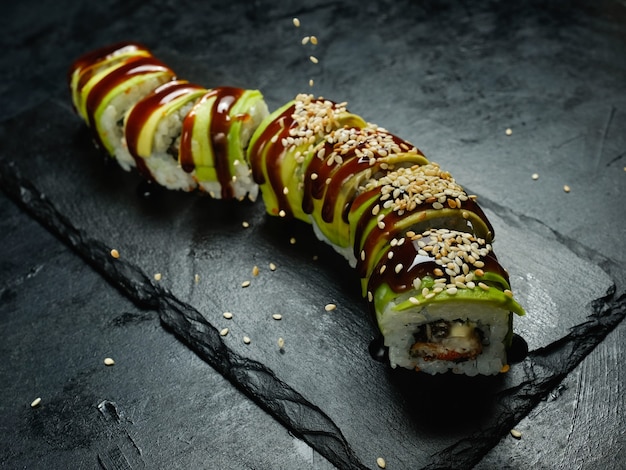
{"points": [[448, 77]]}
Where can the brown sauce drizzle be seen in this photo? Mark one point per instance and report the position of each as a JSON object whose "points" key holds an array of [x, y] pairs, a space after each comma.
{"points": [[418, 267], [141, 112], [274, 154], [87, 63], [225, 98], [136, 66], [390, 220]]}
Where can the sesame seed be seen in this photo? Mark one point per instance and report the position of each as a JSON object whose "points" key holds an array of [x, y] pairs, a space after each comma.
{"points": [[381, 462], [245, 283], [390, 255], [398, 268], [277, 316], [282, 213], [245, 224], [157, 277], [330, 307], [272, 267], [281, 343], [313, 176], [483, 286], [224, 331], [505, 369], [452, 290], [535, 176], [108, 361], [227, 315], [516, 434], [313, 59], [246, 340], [479, 273], [292, 240], [508, 293], [305, 40], [311, 82], [370, 296], [36, 402], [255, 270], [509, 131], [196, 278], [314, 40], [296, 22], [567, 189], [414, 300], [115, 254]]}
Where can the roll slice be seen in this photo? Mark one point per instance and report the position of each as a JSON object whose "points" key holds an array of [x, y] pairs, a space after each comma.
{"points": [[443, 302]]}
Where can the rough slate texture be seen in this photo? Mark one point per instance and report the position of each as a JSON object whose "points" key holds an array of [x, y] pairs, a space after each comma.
{"points": [[450, 78]]}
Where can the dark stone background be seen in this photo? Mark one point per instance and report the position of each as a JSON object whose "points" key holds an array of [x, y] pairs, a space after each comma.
{"points": [[448, 76]]}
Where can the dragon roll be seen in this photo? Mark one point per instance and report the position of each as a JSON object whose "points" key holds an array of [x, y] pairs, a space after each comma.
{"points": [[420, 244], [181, 135]]}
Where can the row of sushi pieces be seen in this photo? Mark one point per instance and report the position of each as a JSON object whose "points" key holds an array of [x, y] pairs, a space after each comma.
{"points": [[420, 244]]}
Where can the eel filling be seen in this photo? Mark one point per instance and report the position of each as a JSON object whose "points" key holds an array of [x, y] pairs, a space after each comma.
{"points": [[442, 340]]}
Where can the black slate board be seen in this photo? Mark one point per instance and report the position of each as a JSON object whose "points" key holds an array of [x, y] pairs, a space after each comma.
{"points": [[497, 72]]}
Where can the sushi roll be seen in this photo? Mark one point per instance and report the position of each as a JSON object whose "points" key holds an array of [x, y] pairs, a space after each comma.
{"points": [[179, 134], [420, 244], [106, 83]]}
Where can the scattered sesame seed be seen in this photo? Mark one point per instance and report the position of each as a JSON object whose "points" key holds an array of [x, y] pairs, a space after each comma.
{"points": [[246, 340], [227, 315], [282, 213], [452, 290], [115, 254], [272, 267], [314, 40], [398, 268], [381, 462], [314, 59], [509, 131], [516, 434], [296, 22], [508, 293], [483, 286], [330, 307], [245, 224], [567, 189], [108, 361], [311, 82], [370, 296], [255, 270], [157, 277], [305, 40], [535, 176], [505, 369], [224, 331], [245, 283], [277, 316], [36, 402], [414, 300], [281, 343], [196, 278], [292, 240]]}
